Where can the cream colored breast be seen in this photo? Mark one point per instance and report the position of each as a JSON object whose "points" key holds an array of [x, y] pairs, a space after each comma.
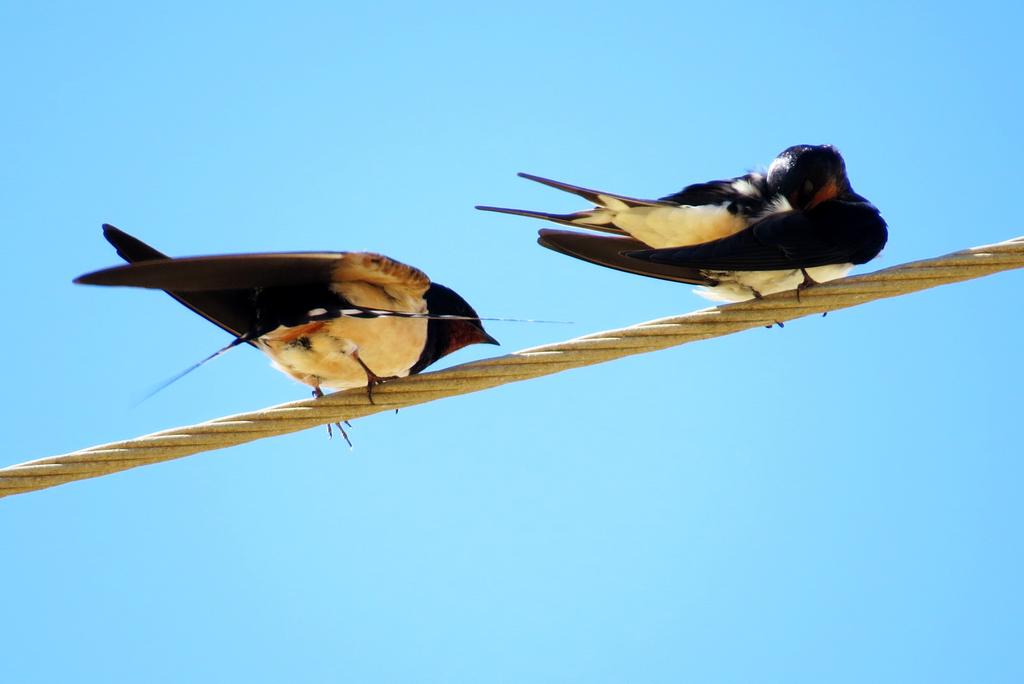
{"points": [[321, 354], [661, 226], [388, 346]]}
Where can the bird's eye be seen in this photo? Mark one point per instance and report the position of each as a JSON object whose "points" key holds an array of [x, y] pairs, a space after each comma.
{"points": [[808, 186]]}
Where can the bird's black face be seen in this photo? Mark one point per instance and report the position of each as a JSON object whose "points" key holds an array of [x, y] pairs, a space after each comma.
{"points": [[808, 175], [452, 335]]}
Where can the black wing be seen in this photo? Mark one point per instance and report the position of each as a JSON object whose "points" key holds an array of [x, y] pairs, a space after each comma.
{"points": [[244, 313], [834, 232], [231, 310], [247, 295], [725, 192], [610, 252], [251, 294], [222, 272]]}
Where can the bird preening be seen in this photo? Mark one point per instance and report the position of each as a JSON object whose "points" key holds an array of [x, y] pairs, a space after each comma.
{"points": [[335, 320], [798, 224], [341, 320]]}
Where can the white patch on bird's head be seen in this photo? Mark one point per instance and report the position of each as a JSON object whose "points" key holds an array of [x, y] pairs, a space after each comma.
{"points": [[744, 187], [316, 312]]}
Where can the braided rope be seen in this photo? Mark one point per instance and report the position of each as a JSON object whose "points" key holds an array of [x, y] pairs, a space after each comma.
{"points": [[522, 365]]}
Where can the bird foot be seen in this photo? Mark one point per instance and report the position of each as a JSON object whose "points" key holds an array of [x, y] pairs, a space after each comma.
{"points": [[807, 282], [317, 393], [372, 379], [330, 432]]}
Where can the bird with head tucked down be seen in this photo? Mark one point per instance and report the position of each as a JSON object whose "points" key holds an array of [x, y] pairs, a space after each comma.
{"points": [[798, 224]]}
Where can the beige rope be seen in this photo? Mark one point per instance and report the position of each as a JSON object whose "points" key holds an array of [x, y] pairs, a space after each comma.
{"points": [[522, 365]]}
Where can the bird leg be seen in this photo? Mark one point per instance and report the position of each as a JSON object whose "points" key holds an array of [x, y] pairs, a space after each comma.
{"points": [[807, 282], [372, 379], [758, 295], [317, 393]]}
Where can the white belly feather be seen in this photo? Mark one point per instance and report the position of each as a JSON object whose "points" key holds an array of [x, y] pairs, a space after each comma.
{"points": [[738, 286]]}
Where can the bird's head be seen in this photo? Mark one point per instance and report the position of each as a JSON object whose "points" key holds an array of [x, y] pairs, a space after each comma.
{"points": [[808, 175], [450, 335]]}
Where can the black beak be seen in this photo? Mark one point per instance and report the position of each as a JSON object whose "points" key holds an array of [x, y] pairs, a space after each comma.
{"points": [[487, 339]]}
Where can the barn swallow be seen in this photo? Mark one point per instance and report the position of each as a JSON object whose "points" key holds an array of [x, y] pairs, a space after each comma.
{"points": [[799, 224], [333, 320]]}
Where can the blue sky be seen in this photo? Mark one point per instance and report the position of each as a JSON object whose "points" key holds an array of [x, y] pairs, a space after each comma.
{"points": [[835, 501]]}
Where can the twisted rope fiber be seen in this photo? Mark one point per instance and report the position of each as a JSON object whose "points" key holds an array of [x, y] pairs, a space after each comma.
{"points": [[522, 365]]}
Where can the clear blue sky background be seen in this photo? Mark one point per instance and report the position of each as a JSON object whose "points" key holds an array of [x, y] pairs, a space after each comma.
{"points": [[836, 501]]}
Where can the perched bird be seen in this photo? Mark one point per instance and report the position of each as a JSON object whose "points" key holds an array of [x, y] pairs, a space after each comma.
{"points": [[327, 319], [798, 224]]}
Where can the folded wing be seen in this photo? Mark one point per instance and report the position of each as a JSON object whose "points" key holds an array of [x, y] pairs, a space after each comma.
{"points": [[833, 233], [611, 253]]}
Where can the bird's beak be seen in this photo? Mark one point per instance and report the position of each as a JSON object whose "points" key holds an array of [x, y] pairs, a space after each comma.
{"points": [[487, 339]]}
